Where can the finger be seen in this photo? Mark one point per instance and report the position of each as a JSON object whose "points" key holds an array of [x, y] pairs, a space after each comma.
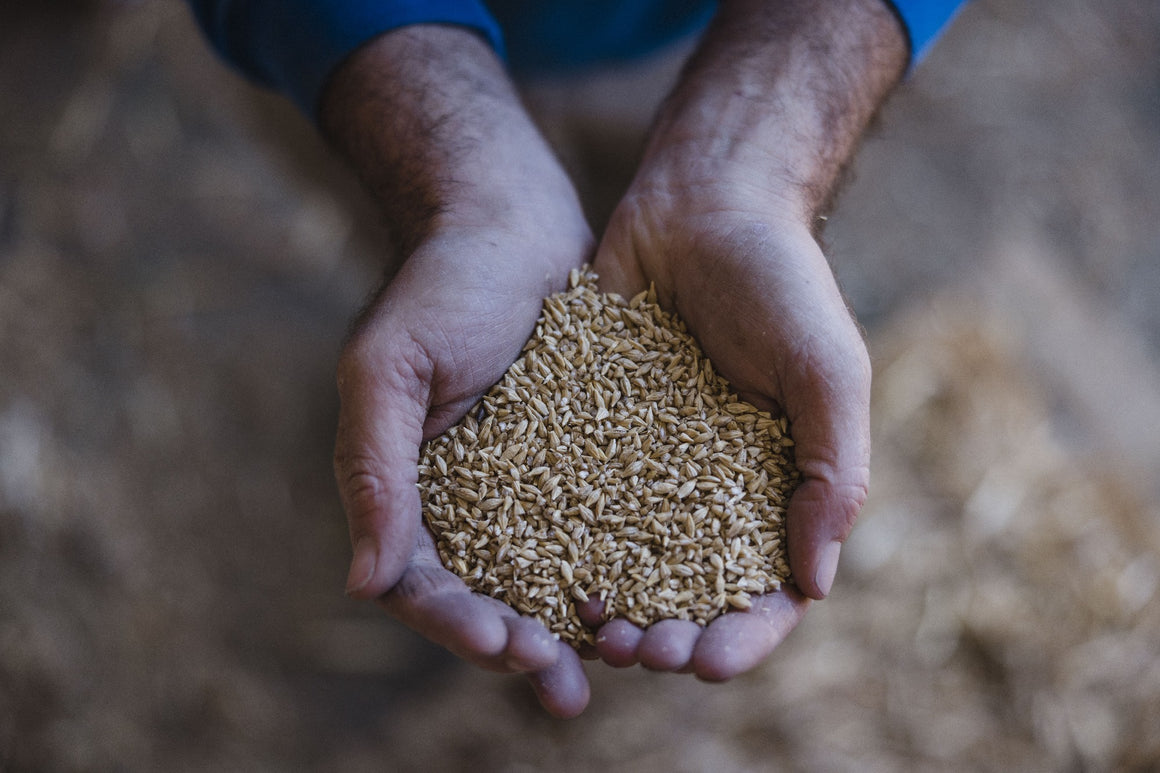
{"points": [[530, 647], [436, 604], [818, 520], [591, 612], [562, 687], [383, 405], [736, 642], [617, 642], [668, 645], [830, 423]]}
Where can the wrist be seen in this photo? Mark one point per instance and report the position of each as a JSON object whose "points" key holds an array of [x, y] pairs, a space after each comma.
{"points": [[690, 178]]}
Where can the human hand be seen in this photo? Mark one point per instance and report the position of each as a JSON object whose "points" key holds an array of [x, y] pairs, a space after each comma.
{"points": [[719, 216], [430, 345], [488, 225], [758, 295]]}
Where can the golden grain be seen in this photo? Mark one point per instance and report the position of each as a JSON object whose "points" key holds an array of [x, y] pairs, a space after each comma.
{"points": [[612, 462]]}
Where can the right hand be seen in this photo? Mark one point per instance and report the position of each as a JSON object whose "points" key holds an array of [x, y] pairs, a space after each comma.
{"points": [[488, 225], [428, 347]]}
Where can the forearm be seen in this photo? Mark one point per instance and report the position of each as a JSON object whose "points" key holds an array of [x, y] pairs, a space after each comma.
{"points": [[776, 99], [430, 120]]}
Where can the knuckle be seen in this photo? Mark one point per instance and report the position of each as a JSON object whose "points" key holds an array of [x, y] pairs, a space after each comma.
{"points": [[361, 488], [841, 497]]}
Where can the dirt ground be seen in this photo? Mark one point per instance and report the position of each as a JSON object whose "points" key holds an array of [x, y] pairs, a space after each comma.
{"points": [[180, 255]]}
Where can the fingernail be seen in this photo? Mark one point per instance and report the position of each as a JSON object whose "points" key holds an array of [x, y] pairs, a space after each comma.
{"points": [[362, 565], [827, 567]]}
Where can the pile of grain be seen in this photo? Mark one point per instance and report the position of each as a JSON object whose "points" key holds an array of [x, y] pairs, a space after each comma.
{"points": [[612, 461]]}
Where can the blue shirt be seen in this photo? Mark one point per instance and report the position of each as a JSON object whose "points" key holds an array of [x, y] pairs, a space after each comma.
{"points": [[293, 45]]}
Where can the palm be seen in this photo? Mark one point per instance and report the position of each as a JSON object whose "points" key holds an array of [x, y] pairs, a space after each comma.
{"points": [[758, 295], [444, 330]]}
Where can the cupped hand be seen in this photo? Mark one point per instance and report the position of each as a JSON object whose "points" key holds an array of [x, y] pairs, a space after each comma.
{"points": [[431, 343], [752, 284]]}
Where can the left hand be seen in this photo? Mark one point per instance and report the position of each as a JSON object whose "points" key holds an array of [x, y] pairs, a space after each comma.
{"points": [[753, 287]]}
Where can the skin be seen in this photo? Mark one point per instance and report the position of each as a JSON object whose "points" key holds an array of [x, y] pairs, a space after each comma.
{"points": [[743, 157]]}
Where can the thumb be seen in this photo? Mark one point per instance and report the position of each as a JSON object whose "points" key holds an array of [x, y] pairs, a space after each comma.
{"points": [[380, 429], [830, 425]]}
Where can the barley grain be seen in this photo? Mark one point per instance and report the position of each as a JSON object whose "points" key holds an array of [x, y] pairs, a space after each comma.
{"points": [[612, 462]]}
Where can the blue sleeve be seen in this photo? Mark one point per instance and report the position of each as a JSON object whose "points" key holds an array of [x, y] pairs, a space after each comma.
{"points": [[923, 20], [293, 45]]}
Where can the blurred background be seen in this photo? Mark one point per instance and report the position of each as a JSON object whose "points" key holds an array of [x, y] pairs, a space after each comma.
{"points": [[180, 255]]}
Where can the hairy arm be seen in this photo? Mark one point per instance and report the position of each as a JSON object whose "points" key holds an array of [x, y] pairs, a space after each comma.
{"points": [[430, 120], [776, 98], [786, 89]]}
